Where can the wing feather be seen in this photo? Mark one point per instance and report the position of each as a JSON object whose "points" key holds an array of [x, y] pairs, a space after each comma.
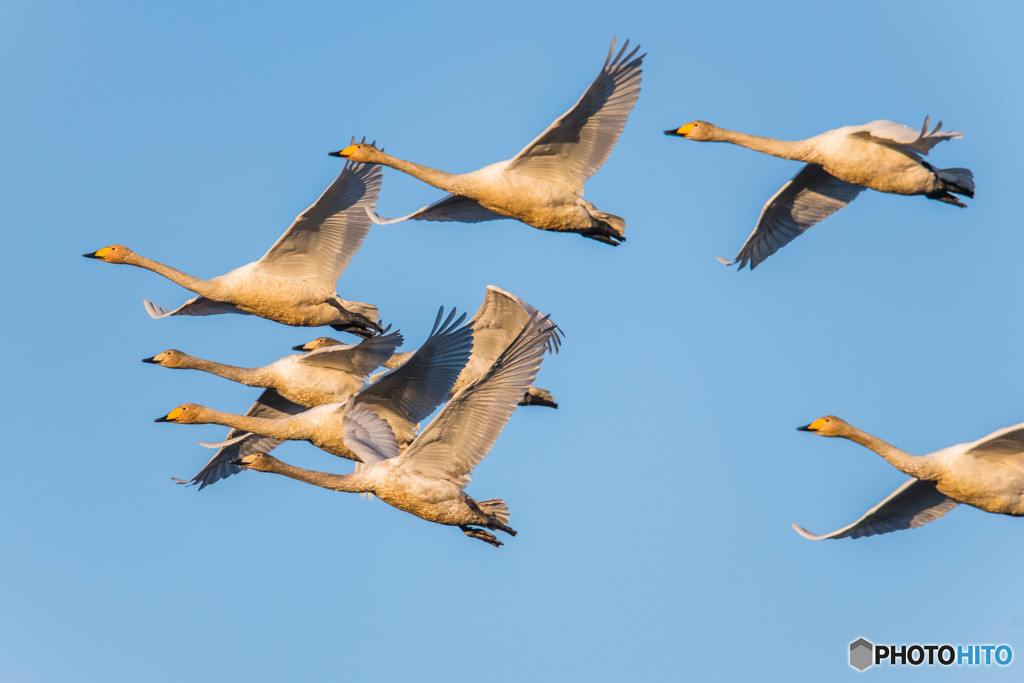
{"points": [[913, 504], [464, 431], [809, 197], [412, 391], [920, 142], [198, 305], [580, 140], [451, 208], [322, 241]]}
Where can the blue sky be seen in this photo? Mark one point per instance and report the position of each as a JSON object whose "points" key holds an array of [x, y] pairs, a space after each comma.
{"points": [[654, 506]]}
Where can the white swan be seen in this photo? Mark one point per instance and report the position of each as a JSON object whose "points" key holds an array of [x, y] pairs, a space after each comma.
{"points": [[881, 155], [326, 375], [987, 473], [295, 282], [402, 397], [428, 478], [541, 186]]}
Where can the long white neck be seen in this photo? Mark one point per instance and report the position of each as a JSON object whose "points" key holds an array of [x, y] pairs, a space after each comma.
{"points": [[273, 427], [252, 377], [799, 150], [449, 182], [915, 465], [195, 284], [353, 483]]}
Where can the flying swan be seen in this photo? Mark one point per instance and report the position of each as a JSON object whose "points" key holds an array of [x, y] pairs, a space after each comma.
{"points": [[881, 155], [987, 473], [541, 186]]}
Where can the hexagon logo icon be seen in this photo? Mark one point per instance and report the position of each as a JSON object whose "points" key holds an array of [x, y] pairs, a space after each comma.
{"points": [[862, 654]]}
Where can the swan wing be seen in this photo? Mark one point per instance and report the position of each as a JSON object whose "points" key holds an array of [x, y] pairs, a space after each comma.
{"points": [[451, 208], [920, 141], [357, 359], [462, 433], [1008, 441], [580, 140], [368, 435], [322, 241], [270, 404], [412, 391], [198, 305], [809, 197], [501, 317], [913, 504]]}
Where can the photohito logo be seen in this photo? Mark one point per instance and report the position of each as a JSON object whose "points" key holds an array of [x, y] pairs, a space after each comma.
{"points": [[864, 654]]}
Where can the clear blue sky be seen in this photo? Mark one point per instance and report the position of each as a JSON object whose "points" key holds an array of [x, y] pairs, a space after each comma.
{"points": [[654, 506]]}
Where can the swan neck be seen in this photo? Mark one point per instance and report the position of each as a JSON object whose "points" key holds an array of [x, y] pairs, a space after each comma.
{"points": [[785, 149], [189, 282], [439, 179], [248, 376], [914, 465], [267, 426], [334, 482]]}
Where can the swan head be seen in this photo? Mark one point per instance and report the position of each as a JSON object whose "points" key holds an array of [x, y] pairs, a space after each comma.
{"points": [[694, 130], [186, 413], [361, 151], [261, 462], [115, 253], [171, 358], [318, 343], [830, 425]]}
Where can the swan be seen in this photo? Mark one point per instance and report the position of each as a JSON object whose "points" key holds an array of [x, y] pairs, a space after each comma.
{"points": [[427, 478], [541, 186], [295, 282], [326, 375], [987, 473], [403, 398], [880, 155]]}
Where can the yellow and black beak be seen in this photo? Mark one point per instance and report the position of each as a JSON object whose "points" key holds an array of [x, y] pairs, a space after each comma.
{"points": [[151, 359], [805, 428], [170, 417], [681, 132]]}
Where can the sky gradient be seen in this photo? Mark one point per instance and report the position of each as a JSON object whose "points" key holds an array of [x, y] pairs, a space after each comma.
{"points": [[654, 506]]}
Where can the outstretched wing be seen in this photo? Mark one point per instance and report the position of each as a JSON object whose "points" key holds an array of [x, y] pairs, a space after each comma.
{"points": [[921, 142], [270, 404], [913, 504], [460, 436], [500, 318], [580, 140], [368, 435], [198, 305], [412, 391], [322, 241], [809, 197], [357, 359], [1008, 441], [452, 208]]}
